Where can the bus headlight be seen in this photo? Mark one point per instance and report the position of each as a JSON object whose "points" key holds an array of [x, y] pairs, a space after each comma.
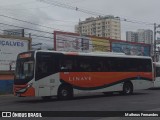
{"points": [[25, 89], [29, 85], [22, 90]]}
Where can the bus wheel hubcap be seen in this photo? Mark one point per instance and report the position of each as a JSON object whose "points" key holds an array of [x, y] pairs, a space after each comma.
{"points": [[64, 92], [128, 89]]}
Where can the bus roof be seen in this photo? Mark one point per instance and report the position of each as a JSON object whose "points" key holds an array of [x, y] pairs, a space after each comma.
{"points": [[99, 54]]}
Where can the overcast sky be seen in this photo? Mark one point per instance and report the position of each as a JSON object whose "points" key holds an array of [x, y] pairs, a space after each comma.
{"points": [[64, 19]]}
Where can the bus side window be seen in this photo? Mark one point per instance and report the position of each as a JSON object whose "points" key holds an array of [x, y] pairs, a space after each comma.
{"points": [[66, 64], [63, 67], [85, 66], [99, 67], [42, 67]]}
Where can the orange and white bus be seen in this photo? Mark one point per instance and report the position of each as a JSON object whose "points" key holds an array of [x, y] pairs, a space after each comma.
{"points": [[64, 74], [157, 74]]}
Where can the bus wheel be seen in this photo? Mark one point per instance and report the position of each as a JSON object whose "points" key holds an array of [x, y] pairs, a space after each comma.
{"points": [[65, 92], [127, 88]]}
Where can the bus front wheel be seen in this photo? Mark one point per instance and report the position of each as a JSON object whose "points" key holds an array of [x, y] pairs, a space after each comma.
{"points": [[65, 92], [127, 88]]}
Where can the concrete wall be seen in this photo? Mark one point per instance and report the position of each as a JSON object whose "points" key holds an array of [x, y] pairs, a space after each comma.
{"points": [[6, 83]]}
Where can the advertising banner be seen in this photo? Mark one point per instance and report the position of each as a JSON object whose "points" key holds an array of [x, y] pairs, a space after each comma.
{"points": [[9, 49], [131, 49], [73, 42], [100, 44]]}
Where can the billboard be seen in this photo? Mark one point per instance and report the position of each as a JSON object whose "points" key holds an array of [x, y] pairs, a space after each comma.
{"points": [[9, 49], [131, 49], [73, 42], [100, 44]]}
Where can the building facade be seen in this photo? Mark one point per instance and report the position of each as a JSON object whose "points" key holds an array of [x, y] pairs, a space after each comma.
{"points": [[107, 26], [141, 36], [148, 36], [131, 36]]}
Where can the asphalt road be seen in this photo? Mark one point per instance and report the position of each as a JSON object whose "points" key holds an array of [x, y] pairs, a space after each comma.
{"points": [[143, 100]]}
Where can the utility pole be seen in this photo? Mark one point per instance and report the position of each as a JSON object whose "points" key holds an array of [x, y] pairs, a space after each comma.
{"points": [[154, 43], [29, 35]]}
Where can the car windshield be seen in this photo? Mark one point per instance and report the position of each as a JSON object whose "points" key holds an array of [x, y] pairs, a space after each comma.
{"points": [[24, 69]]}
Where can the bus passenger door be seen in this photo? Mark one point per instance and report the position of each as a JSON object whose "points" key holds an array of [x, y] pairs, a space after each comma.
{"points": [[43, 87], [47, 86], [46, 73], [43, 77]]}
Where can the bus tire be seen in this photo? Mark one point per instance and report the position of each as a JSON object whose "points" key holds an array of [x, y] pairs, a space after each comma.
{"points": [[65, 92], [127, 88]]}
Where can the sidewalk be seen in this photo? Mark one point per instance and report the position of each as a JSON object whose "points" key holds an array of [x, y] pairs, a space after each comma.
{"points": [[9, 94]]}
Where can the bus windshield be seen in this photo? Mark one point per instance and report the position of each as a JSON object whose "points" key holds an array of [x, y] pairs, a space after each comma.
{"points": [[24, 69]]}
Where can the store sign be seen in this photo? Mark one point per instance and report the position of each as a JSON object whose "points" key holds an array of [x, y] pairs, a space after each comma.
{"points": [[9, 49]]}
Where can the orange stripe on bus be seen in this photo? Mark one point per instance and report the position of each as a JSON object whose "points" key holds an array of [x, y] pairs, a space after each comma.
{"points": [[94, 79], [30, 91]]}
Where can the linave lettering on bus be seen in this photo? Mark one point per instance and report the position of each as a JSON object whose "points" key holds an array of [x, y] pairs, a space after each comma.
{"points": [[79, 78], [11, 43]]}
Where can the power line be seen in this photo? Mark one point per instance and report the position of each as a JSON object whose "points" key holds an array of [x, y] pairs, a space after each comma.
{"points": [[25, 8], [74, 8], [137, 22], [34, 35], [59, 4], [50, 33], [34, 23], [23, 3], [26, 28], [41, 36], [26, 21]]}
